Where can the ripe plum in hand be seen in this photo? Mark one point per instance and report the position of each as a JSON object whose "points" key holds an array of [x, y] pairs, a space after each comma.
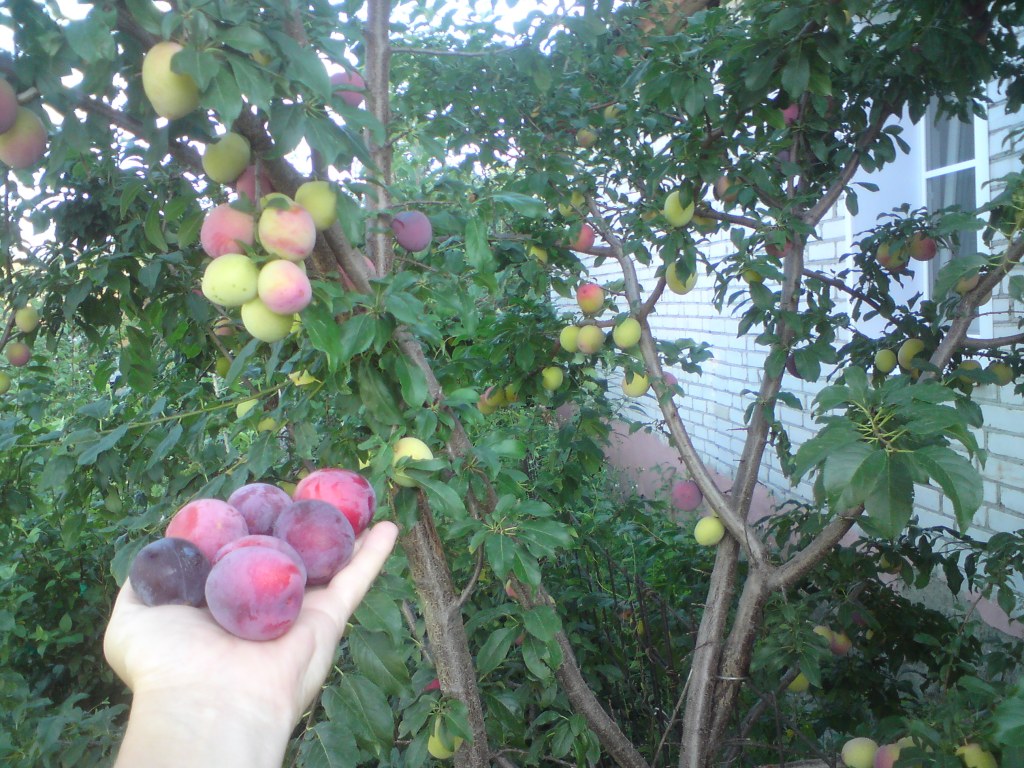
{"points": [[209, 524], [349, 491], [170, 571], [321, 535], [255, 592], [260, 504], [262, 540]]}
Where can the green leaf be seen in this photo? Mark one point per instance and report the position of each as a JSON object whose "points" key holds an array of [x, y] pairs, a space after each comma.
{"points": [[379, 612], [355, 334], [544, 537], [105, 443], [170, 440], [443, 497], [153, 227], [223, 95], [495, 649], [837, 475], [796, 75], [500, 551], [1008, 719], [542, 622], [890, 502], [358, 701], [832, 437], [376, 395], [379, 660], [329, 744], [524, 205], [478, 250], [958, 478], [412, 381], [253, 82]]}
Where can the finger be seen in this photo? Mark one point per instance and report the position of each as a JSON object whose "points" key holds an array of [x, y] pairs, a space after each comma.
{"points": [[348, 587]]}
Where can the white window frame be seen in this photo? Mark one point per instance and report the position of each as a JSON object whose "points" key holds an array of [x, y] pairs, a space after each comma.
{"points": [[980, 165]]}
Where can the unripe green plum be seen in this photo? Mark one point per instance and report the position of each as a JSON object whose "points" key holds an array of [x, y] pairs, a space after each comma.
{"points": [[284, 287], [626, 334], [415, 450], [635, 385], [24, 145], [800, 684], [586, 138], [540, 254], [26, 319], [975, 757], [859, 752], [568, 338], [226, 159], [709, 531], [551, 378], [5, 382], [909, 349], [885, 360], [320, 198], [222, 366], [675, 212], [575, 204], [677, 286], [1002, 372], [231, 280], [287, 231], [264, 324], [590, 339], [171, 94]]}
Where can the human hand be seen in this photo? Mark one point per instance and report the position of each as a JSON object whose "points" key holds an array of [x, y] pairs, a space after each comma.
{"points": [[193, 681]]}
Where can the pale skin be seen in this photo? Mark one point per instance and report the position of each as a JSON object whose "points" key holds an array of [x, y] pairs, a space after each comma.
{"points": [[203, 697]]}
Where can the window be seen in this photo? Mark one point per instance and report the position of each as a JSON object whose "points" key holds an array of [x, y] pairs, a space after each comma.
{"points": [[954, 176]]}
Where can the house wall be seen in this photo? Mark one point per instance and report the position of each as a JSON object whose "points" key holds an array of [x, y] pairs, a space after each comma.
{"points": [[714, 403]]}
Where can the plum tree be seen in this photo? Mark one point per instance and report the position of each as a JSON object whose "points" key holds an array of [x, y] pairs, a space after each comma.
{"points": [[172, 94], [24, 143]]}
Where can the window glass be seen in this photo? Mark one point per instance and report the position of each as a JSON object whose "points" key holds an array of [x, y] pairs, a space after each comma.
{"points": [[949, 142]]}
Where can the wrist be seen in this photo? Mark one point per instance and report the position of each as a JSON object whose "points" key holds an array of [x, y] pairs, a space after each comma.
{"points": [[176, 728]]}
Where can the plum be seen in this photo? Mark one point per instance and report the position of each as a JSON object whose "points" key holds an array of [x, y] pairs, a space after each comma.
{"points": [[209, 524], [349, 491], [255, 592], [260, 504], [170, 571], [262, 540], [321, 534]]}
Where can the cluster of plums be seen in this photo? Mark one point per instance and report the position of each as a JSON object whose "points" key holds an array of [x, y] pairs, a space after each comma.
{"points": [[249, 559]]}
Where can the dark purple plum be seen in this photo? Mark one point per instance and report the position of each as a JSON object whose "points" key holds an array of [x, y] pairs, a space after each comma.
{"points": [[170, 571]]}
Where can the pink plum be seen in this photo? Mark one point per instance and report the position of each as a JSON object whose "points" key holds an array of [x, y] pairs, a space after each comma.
{"points": [[245, 185], [686, 495], [226, 230], [284, 287], [209, 524], [260, 505], [255, 592], [262, 540], [355, 81], [18, 353], [322, 536], [585, 239], [348, 491], [412, 229], [287, 230]]}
